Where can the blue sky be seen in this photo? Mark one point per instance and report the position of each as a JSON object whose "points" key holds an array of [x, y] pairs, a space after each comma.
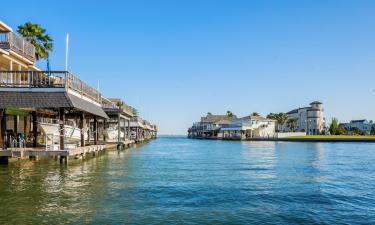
{"points": [[178, 60]]}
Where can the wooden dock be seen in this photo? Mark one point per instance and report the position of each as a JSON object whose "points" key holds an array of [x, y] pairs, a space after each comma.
{"points": [[63, 155]]}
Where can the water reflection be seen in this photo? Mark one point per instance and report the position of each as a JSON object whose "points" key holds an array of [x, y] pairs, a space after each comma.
{"points": [[195, 181]]}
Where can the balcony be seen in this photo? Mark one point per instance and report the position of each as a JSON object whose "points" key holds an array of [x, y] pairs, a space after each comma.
{"points": [[43, 79], [13, 42]]}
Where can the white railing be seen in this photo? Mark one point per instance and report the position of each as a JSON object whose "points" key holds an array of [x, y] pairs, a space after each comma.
{"points": [[48, 79], [18, 44]]}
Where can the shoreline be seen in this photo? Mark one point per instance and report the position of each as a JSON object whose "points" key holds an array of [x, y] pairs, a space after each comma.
{"points": [[292, 139]]}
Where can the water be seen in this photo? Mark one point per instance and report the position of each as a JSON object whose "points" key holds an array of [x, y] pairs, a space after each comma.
{"points": [[182, 181]]}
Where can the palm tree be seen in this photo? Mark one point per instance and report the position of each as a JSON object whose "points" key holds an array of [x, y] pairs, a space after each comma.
{"points": [[292, 124], [255, 114], [229, 114], [281, 118], [37, 36]]}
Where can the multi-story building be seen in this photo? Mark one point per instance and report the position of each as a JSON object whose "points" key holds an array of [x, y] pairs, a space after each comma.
{"points": [[309, 119], [362, 126], [209, 126], [249, 127]]}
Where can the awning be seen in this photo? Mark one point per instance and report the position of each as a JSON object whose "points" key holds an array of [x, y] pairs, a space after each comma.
{"points": [[39, 100]]}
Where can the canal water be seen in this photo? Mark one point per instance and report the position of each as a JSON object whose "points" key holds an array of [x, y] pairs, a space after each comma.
{"points": [[183, 181]]}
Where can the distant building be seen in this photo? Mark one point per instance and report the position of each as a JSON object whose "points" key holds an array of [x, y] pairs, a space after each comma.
{"points": [[209, 126], [363, 126], [249, 127], [309, 119]]}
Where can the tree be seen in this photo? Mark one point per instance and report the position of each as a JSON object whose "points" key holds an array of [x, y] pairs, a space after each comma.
{"points": [[271, 116], [37, 36], [209, 114], [355, 130], [335, 128], [292, 124], [255, 114], [229, 114], [280, 118], [372, 129]]}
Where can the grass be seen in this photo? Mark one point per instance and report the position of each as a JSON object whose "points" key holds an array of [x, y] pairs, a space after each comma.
{"points": [[333, 137]]}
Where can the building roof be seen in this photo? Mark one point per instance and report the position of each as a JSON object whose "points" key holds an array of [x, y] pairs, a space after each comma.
{"points": [[258, 118], [215, 118], [358, 121], [315, 102], [4, 27], [224, 121], [10, 99], [293, 111]]}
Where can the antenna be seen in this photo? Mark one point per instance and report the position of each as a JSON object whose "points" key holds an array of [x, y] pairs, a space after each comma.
{"points": [[66, 51]]}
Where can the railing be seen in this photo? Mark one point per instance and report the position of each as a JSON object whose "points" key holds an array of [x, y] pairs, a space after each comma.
{"points": [[18, 44], [128, 109], [51, 79]]}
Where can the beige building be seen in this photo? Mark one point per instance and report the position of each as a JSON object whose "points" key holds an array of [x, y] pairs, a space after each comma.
{"points": [[16, 54], [309, 119]]}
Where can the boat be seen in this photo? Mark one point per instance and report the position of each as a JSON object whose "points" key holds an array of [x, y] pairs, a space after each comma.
{"points": [[112, 133], [52, 127]]}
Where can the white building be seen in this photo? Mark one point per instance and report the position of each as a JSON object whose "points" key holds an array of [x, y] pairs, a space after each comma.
{"points": [[363, 126], [309, 119], [249, 127]]}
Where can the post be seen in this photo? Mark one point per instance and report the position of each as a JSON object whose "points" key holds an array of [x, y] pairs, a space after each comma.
{"points": [[4, 129], [82, 127], [128, 130], [15, 130], [35, 128], [95, 130], [62, 128], [104, 125], [88, 131], [119, 128]]}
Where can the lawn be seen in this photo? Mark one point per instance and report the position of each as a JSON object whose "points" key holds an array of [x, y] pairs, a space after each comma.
{"points": [[333, 137]]}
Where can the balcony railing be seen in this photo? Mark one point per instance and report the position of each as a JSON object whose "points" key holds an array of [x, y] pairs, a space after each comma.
{"points": [[11, 41], [51, 79], [128, 110]]}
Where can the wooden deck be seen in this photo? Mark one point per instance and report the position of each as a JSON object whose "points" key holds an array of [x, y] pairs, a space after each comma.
{"points": [[41, 152]]}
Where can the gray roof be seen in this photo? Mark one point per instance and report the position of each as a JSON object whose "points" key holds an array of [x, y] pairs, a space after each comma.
{"points": [[10, 99], [292, 111], [216, 118]]}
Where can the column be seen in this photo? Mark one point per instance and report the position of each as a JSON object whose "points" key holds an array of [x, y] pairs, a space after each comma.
{"points": [[4, 129], [35, 128], [62, 129], [128, 129], [88, 130], [119, 128], [95, 130], [15, 128], [82, 126]]}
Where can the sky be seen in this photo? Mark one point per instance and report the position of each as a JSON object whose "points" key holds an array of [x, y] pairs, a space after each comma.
{"points": [[176, 60]]}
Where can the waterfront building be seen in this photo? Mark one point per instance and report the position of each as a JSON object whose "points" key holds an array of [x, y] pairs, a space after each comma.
{"points": [[309, 119], [42, 108], [51, 112], [362, 126], [117, 127], [209, 126], [141, 130], [249, 127]]}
